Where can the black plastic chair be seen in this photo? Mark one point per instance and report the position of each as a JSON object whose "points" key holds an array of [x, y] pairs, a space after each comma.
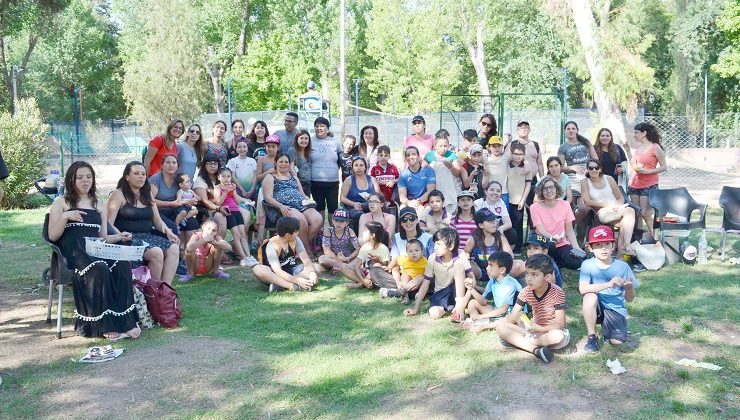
{"points": [[48, 192], [679, 202], [57, 275], [729, 200], [269, 225]]}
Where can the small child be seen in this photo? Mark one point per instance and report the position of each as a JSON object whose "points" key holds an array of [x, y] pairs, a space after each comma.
{"points": [[266, 164], [470, 137], [434, 216], [473, 176], [606, 285], [186, 195], [244, 168], [203, 253], [501, 290], [448, 269], [336, 243], [349, 149], [538, 244], [519, 182], [373, 253], [547, 330], [385, 173], [463, 221], [226, 197], [409, 273]]}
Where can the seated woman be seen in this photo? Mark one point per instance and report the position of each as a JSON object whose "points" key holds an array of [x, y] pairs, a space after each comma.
{"points": [[282, 190], [376, 202], [354, 194], [104, 299], [553, 218], [284, 263], [164, 190], [131, 208], [205, 186], [600, 192]]}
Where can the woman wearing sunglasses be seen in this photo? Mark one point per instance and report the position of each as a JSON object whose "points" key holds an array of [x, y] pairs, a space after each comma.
{"points": [[601, 193], [488, 129], [190, 152]]}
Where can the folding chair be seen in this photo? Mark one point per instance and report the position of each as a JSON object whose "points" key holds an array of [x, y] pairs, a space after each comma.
{"points": [[57, 275]]}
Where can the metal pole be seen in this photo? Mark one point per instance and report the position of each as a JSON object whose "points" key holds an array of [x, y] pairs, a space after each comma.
{"points": [[564, 106], [501, 113], [441, 97], [357, 104], [706, 96], [228, 95]]}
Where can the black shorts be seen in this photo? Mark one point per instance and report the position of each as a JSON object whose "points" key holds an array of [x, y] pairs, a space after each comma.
{"points": [[443, 297], [326, 195], [613, 324], [234, 219], [641, 191]]}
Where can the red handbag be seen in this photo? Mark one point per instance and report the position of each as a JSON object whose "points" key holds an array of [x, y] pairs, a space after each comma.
{"points": [[161, 299]]}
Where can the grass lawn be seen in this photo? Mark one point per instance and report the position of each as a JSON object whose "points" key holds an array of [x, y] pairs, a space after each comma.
{"points": [[334, 353]]}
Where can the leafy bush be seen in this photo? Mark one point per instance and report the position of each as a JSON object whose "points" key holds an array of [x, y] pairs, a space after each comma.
{"points": [[23, 142]]}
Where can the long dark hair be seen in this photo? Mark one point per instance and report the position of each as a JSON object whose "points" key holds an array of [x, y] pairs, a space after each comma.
{"points": [[651, 132], [70, 192], [145, 193], [402, 231], [376, 141], [375, 228], [611, 148], [205, 176], [306, 152], [253, 137], [584, 141], [200, 145], [479, 237], [494, 126]]}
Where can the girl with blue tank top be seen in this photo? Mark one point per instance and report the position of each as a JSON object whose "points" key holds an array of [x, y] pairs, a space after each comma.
{"points": [[485, 240]]}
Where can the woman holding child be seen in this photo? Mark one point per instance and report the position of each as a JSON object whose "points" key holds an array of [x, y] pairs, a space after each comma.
{"points": [[104, 300], [164, 190], [131, 208], [205, 186]]}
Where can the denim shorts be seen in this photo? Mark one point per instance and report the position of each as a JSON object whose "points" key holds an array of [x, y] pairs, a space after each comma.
{"points": [[644, 192]]}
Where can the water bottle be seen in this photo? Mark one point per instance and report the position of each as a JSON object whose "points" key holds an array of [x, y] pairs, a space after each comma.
{"points": [[702, 257]]}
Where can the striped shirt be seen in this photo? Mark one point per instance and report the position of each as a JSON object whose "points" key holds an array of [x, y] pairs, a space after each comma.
{"points": [[464, 228], [544, 306]]}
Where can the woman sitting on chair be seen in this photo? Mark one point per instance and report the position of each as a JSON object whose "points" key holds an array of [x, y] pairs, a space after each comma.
{"points": [[131, 208], [104, 299]]}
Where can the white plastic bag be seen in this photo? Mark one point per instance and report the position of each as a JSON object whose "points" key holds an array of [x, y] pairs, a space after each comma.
{"points": [[652, 256]]}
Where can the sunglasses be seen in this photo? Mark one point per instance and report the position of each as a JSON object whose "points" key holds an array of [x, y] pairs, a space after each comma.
{"points": [[408, 219], [593, 168], [194, 132], [487, 124]]}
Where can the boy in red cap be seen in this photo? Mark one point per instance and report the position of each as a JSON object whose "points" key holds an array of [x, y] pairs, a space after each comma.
{"points": [[606, 285]]}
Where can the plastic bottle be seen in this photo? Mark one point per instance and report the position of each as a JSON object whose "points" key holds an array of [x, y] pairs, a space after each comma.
{"points": [[702, 257], [53, 180]]}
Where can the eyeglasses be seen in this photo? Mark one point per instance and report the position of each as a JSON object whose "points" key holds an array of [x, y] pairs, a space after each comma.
{"points": [[408, 219], [194, 132], [549, 188], [211, 163], [287, 121], [416, 122], [593, 168], [487, 124]]}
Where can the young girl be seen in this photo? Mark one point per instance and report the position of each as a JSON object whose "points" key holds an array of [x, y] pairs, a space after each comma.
{"points": [[257, 140], [463, 221], [446, 169], [243, 168], [435, 215], [266, 164], [474, 177], [519, 182], [185, 194], [369, 146], [555, 171], [376, 204], [336, 243], [496, 204], [300, 154], [203, 253], [374, 252], [226, 197], [486, 240]]}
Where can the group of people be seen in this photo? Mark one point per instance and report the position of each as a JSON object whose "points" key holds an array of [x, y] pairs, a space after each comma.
{"points": [[437, 224]]}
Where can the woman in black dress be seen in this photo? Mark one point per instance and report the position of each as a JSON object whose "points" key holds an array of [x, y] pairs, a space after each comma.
{"points": [[131, 208], [104, 299]]}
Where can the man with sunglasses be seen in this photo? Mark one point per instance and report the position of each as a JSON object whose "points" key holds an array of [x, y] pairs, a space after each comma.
{"points": [[287, 135]]}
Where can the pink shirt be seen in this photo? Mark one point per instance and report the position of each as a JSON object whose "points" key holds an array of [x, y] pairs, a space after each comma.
{"points": [[648, 160], [424, 146], [553, 219]]}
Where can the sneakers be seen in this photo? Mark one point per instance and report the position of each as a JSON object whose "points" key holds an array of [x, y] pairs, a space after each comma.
{"points": [[181, 269], [385, 292], [592, 345], [544, 354], [275, 288], [184, 223], [250, 261], [505, 344], [638, 268], [221, 275], [186, 278]]}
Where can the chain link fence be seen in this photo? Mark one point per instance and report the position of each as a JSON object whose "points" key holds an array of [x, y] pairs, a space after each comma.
{"points": [[702, 163]]}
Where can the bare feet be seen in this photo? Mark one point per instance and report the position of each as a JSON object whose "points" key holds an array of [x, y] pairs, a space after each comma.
{"points": [[134, 333], [354, 285], [113, 336]]}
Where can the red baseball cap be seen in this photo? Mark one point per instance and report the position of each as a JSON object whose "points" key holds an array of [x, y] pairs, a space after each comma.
{"points": [[600, 234]]}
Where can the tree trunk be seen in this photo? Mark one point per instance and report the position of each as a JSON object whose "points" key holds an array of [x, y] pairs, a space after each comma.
{"points": [[7, 68], [342, 71], [477, 54], [242, 46], [609, 112], [215, 73]]}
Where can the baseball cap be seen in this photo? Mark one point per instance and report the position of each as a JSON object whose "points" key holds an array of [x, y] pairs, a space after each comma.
{"points": [[538, 240], [465, 193], [418, 118], [495, 140], [340, 214], [484, 215], [476, 148], [407, 211], [272, 139], [311, 85], [600, 234], [522, 122]]}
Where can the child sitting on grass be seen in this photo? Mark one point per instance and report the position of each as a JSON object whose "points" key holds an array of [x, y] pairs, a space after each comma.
{"points": [[548, 329], [501, 290], [606, 285], [336, 243], [410, 274], [203, 253], [373, 253], [448, 268], [538, 244]]}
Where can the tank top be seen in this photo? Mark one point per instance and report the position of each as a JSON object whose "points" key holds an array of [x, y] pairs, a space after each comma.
{"points": [[229, 202], [604, 194], [515, 180], [354, 190], [648, 160], [135, 219], [481, 252]]}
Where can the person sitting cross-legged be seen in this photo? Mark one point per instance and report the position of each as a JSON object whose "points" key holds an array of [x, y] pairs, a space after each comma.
{"points": [[203, 253]]}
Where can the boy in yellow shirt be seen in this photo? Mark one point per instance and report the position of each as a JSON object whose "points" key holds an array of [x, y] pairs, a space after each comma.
{"points": [[411, 273]]}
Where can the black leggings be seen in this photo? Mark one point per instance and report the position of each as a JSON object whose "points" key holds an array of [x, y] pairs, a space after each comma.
{"points": [[326, 195], [517, 222], [564, 259]]}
